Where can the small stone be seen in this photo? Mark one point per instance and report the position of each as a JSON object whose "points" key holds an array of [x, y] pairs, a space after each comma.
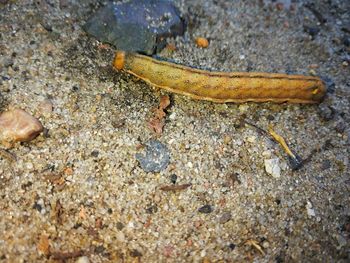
{"points": [[156, 157], [136, 25], [202, 42], [272, 167], [135, 253], [311, 30], [225, 217], [95, 153], [46, 107], [266, 244], [83, 259], [310, 210], [232, 246], [18, 126], [173, 178], [206, 209]]}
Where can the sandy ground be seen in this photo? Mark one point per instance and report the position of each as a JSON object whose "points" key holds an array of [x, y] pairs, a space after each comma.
{"points": [[78, 189]]}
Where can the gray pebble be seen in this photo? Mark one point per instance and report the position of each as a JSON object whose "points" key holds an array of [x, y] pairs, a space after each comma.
{"points": [[156, 157], [206, 209], [225, 217], [137, 25], [312, 30]]}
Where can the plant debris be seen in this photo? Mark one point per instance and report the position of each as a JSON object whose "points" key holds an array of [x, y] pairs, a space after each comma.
{"points": [[157, 122], [174, 188]]}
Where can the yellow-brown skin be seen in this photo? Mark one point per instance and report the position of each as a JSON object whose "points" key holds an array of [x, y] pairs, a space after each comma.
{"points": [[222, 87]]}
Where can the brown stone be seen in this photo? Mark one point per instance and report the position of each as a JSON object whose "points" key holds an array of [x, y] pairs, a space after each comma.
{"points": [[18, 126]]}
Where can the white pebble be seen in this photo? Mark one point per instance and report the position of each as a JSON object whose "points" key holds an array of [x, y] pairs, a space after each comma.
{"points": [[272, 167], [310, 210]]}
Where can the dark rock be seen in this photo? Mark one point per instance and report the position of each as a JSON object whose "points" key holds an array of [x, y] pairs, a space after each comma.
{"points": [[138, 25], [173, 178], [156, 158], [312, 30], [95, 153], [295, 163], [135, 253], [120, 225], [232, 246], [152, 209], [206, 209]]}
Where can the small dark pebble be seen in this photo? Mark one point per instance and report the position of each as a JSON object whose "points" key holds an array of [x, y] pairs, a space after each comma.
{"points": [[95, 153], [75, 88], [99, 249], [270, 117], [206, 209], [173, 178], [233, 178], [311, 30], [156, 157], [325, 165], [37, 207], [46, 26], [232, 246], [110, 211], [77, 225], [152, 209], [120, 225], [135, 253], [295, 163]]}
